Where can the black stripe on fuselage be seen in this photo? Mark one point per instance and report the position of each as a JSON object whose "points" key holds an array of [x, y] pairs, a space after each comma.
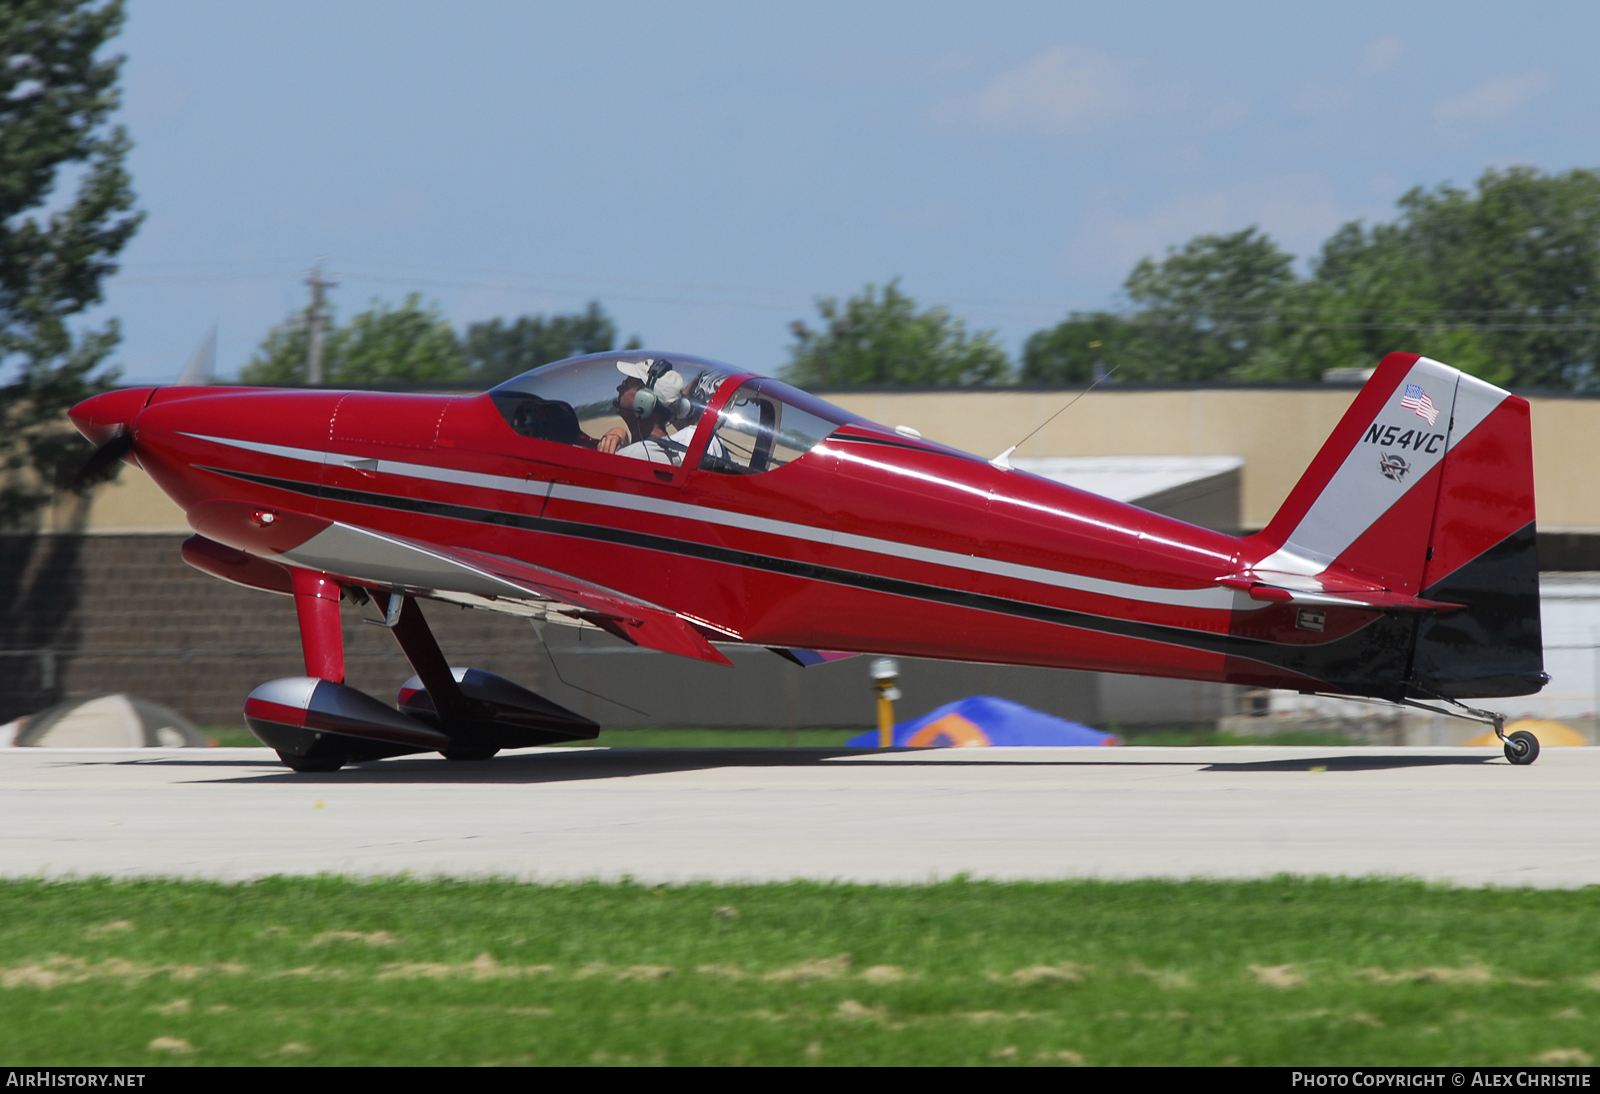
{"points": [[1231, 645]]}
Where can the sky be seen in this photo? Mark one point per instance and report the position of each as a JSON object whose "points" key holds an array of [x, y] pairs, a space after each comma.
{"points": [[707, 170]]}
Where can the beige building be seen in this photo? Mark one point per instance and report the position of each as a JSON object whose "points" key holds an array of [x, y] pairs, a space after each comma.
{"points": [[1277, 430]]}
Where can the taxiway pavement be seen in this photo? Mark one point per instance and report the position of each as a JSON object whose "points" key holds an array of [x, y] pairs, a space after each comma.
{"points": [[1461, 815]]}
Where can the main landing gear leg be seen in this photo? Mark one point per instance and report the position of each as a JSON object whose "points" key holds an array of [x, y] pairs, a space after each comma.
{"points": [[422, 650], [316, 602]]}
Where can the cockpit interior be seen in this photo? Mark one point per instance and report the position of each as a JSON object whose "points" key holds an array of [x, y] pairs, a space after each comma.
{"points": [[647, 406]]}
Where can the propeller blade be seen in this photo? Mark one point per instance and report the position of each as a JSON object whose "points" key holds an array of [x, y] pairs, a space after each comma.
{"points": [[103, 458], [203, 364]]}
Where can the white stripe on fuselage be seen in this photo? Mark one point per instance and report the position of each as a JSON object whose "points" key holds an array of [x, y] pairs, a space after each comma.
{"points": [[1217, 598]]}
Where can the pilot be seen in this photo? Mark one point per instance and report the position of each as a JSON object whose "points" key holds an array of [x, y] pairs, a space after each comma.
{"points": [[650, 402]]}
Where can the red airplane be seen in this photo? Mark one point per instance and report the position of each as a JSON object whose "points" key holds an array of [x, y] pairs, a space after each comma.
{"points": [[677, 503]]}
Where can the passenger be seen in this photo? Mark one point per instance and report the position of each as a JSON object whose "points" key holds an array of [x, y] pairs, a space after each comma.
{"points": [[652, 401]]}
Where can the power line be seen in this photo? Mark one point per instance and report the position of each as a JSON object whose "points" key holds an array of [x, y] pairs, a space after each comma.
{"points": [[1410, 319]]}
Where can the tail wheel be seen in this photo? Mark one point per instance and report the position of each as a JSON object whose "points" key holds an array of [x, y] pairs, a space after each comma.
{"points": [[307, 764], [1522, 748]]}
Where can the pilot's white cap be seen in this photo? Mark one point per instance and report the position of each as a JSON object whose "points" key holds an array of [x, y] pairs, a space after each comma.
{"points": [[639, 370], [668, 386]]}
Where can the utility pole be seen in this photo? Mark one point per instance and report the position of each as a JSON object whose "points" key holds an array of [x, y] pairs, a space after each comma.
{"points": [[314, 319]]}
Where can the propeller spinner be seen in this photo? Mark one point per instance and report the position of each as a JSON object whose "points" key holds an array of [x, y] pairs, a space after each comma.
{"points": [[103, 458]]}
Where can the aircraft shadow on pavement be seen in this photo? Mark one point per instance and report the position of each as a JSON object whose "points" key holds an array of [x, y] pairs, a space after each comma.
{"points": [[576, 765], [1381, 762], [580, 765]]}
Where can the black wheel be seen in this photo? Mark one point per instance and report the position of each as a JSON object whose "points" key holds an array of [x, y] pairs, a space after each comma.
{"points": [[308, 764], [1522, 748], [468, 752]]}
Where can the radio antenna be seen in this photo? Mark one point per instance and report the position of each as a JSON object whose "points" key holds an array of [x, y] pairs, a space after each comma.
{"points": [[538, 629], [1003, 461]]}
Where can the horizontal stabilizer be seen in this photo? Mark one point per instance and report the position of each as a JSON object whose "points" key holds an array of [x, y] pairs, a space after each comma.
{"points": [[1325, 593]]}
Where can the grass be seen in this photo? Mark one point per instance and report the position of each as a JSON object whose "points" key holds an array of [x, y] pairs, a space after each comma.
{"points": [[1200, 734], [331, 971], [231, 736]]}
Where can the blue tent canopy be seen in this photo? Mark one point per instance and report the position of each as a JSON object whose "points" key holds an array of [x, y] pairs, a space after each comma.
{"points": [[985, 720]]}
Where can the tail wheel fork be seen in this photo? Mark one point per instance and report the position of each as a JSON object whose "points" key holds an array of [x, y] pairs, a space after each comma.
{"points": [[1521, 747]]}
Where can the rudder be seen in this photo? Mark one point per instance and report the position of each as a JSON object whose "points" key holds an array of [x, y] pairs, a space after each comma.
{"points": [[1483, 554]]}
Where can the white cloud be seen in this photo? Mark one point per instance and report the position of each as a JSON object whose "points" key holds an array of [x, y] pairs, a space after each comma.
{"points": [[1065, 89], [1380, 55], [1495, 99]]}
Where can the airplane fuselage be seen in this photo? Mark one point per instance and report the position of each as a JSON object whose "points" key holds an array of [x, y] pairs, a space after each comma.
{"points": [[872, 541]]}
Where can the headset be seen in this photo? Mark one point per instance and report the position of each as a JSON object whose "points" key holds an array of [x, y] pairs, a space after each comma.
{"points": [[644, 399]]}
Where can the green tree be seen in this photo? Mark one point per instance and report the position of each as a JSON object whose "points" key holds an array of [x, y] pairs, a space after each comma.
{"points": [[885, 340], [379, 347], [1502, 281], [497, 350], [1085, 345], [283, 356], [56, 95], [1208, 309], [408, 344]]}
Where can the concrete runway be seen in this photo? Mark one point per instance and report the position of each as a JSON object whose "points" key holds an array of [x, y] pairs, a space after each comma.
{"points": [[1452, 814]]}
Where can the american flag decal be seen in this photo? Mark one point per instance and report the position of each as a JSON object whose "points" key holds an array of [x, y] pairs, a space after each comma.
{"points": [[1416, 399]]}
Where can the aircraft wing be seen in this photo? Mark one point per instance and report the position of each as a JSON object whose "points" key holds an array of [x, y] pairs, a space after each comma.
{"points": [[383, 559]]}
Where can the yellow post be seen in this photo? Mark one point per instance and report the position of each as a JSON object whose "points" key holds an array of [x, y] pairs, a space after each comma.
{"points": [[885, 674]]}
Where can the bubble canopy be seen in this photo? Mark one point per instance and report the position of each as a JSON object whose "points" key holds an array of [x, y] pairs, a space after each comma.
{"points": [[647, 405]]}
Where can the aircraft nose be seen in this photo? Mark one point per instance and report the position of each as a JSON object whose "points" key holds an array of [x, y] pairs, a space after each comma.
{"points": [[102, 417]]}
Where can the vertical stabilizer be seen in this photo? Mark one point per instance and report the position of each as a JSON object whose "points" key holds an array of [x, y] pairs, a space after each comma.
{"points": [[1426, 488]]}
